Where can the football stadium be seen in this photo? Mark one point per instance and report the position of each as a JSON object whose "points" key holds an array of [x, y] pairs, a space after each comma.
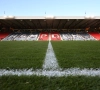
{"points": [[49, 53], [54, 28]]}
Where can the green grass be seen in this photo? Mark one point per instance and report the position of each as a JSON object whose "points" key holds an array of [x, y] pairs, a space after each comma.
{"points": [[27, 54], [22, 54], [53, 83], [81, 54]]}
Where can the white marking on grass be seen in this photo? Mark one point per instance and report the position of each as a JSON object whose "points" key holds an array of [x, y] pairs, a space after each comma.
{"points": [[49, 37], [50, 62], [51, 68], [52, 73]]}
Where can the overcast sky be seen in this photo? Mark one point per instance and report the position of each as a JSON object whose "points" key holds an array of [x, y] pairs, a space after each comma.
{"points": [[51, 7]]}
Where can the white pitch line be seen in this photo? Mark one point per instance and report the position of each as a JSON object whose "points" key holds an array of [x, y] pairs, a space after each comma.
{"points": [[52, 73], [51, 68], [50, 62]]}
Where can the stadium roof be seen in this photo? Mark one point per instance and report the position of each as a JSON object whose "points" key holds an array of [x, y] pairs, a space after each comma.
{"points": [[49, 22]]}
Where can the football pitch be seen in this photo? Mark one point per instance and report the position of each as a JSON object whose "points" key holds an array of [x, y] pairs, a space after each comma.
{"points": [[80, 54], [69, 54], [20, 55]]}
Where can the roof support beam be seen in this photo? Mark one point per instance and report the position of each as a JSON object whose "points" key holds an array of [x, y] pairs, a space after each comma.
{"points": [[58, 24], [21, 23], [77, 24], [83, 24], [52, 23], [3, 24], [71, 23], [90, 24], [27, 23], [40, 24], [46, 24], [16, 25], [98, 25], [65, 24], [34, 25]]}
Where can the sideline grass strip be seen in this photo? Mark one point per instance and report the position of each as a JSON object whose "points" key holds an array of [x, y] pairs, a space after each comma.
{"points": [[80, 54], [53, 83], [22, 54]]}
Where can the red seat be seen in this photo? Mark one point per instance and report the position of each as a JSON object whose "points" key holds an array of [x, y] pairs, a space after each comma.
{"points": [[55, 36], [95, 35], [3, 35], [44, 36]]}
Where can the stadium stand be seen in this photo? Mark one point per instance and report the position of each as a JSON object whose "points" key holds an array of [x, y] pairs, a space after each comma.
{"points": [[26, 28], [55, 36], [44, 36], [32, 37], [20, 36], [27, 35], [3, 35], [77, 36], [95, 35]]}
